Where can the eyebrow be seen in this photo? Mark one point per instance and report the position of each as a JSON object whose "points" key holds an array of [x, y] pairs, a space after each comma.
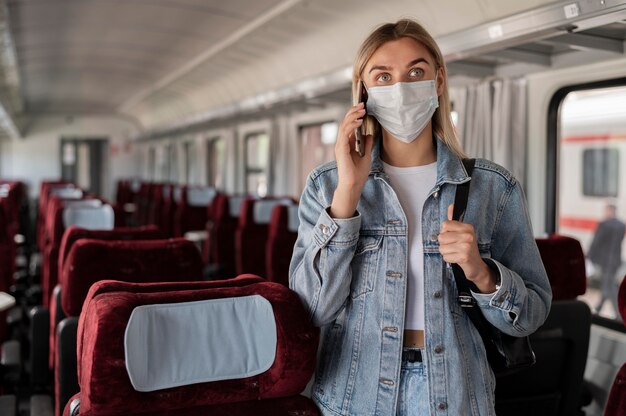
{"points": [[410, 64]]}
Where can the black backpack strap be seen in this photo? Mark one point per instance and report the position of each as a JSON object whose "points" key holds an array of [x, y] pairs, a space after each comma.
{"points": [[462, 192], [464, 297]]}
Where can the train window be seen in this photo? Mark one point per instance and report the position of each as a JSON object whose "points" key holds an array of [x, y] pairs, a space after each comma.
{"points": [[600, 172], [191, 161], [591, 144], [257, 162], [216, 165], [317, 147]]}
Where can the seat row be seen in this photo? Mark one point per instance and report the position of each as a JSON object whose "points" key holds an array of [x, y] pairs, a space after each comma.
{"points": [[142, 258], [243, 234], [176, 209]]}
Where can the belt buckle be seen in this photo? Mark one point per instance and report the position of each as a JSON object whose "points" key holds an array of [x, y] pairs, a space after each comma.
{"points": [[413, 356]]}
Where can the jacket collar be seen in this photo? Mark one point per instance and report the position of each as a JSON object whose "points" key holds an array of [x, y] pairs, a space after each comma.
{"points": [[450, 168]]}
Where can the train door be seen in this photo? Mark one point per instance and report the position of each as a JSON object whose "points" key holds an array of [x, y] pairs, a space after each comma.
{"points": [[82, 162], [591, 176]]}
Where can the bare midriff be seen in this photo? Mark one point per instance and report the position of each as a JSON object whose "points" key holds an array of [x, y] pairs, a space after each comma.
{"points": [[413, 338]]}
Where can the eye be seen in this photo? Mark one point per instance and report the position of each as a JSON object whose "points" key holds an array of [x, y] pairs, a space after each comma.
{"points": [[384, 77], [416, 72]]}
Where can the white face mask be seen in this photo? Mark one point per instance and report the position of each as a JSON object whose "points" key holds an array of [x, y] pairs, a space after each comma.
{"points": [[404, 108]]}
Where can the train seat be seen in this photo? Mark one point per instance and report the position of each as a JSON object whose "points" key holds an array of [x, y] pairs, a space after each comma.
{"points": [[221, 234], [87, 213], [71, 236], [616, 403], [156, 205], [192, 211], [564, 261], [554, 384], [166, 219], [252, 232], [42, 207], [108, 351], [90, 261], [283, 232]]}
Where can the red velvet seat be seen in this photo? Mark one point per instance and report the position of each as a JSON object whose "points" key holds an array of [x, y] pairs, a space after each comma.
{"points": [[616, 403], [74, 234], [251, 235], [192, 210], [105, 386], [283, 232], [168, 208], [53, 233], [90, 261], [221, 236], [42, 207], [564, 261]]}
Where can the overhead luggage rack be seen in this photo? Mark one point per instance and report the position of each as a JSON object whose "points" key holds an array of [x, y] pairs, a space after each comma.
{"points": [[537, 36]]}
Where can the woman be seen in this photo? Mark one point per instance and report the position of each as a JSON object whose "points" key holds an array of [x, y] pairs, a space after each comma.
{"points": [[371, 263]]}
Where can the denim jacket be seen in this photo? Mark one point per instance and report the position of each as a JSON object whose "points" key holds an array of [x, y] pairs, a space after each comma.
{"points": [[351, 276]]}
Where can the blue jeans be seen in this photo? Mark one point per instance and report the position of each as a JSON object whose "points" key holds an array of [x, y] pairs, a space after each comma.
{"points": [[413, 394]]}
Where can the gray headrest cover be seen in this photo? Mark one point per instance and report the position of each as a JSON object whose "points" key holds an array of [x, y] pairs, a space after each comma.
{"points": [[177, 344]]}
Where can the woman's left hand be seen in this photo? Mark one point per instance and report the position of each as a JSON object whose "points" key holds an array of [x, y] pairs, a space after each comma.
{"points": [[457, 244]]}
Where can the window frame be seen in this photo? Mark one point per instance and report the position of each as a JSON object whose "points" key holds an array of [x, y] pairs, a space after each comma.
{"points": [[554, 108], [247, 170]]}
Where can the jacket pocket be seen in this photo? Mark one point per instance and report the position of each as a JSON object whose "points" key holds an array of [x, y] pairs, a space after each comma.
{"points": [[364, 265]]}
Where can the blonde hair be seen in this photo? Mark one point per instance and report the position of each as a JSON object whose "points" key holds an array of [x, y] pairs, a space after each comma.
{"points": [[442, 120]]}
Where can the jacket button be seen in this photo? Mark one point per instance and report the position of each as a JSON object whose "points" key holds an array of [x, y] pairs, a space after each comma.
{"points": [[387, 381], [438, 349], [437, 294], [442, 406], [433, 237], [436, 195], [325, 229]]}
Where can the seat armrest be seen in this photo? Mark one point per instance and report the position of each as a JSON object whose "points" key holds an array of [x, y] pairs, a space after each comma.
{"points": [[39, 345], [66, 373], [8, 405], [41, 405], [11, 362]]}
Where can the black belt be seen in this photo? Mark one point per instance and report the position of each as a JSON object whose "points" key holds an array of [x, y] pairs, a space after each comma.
{"points": [[412, 356]]}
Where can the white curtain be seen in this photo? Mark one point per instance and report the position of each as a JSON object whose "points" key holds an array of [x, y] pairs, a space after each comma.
{"points": [[492, 122]]}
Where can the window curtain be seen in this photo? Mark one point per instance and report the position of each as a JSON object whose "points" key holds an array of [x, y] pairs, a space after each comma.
{"points": [[492, 122]]}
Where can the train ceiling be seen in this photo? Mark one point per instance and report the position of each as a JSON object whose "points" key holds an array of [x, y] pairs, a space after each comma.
{"points": [[172, 63]]}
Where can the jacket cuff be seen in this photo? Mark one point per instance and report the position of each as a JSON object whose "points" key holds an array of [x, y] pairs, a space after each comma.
{"points": [[336, 231], [501, 298]]}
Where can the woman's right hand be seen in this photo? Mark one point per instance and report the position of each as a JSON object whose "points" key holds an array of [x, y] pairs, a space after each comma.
{"points": [[353, 169]]}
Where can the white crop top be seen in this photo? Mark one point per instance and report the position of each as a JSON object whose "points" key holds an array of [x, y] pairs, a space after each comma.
{"points": [[412, 186]]}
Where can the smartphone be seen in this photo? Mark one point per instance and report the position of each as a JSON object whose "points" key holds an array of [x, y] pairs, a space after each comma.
{"points": [[359, 145]]}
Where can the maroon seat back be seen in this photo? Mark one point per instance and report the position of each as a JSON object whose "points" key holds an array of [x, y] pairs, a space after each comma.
{"points": [[564, 261], [616, 403], [283, 232], [222, 235], [252, 233], [74, 234], [105, 386], [90, 261], [192, 211]]}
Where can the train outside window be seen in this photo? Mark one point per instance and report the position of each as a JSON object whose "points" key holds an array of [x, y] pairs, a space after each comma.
{"points": [[592, 143], [257, 162]]}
